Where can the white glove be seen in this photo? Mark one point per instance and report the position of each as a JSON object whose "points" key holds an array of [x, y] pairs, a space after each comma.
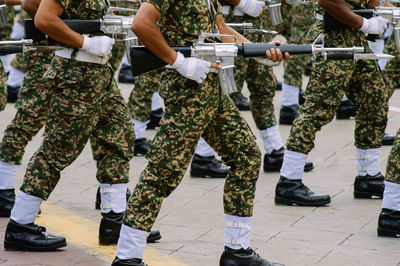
{"points": [[375, 25], [99, 45], [251, 7], [192, 68]]}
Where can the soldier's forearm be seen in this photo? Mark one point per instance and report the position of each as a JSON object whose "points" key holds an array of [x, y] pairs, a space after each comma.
{"points": [[13, 2], [31, 7], [232, 2], [340, 11], [225, 29]]}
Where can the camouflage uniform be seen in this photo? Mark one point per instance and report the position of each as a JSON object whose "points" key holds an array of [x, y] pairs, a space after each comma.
{"points": [[191, 113], [86, 103], [302, 20], [139, 103], [393, 164], [5, 33], [260, 78], [392, 68], [361, 81], [19, 61]]}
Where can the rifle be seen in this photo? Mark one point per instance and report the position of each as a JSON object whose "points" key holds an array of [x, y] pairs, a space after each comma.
{"points": [[142, 60], [3, 15], [113, 26], [21, 46], [299, 2], [247, 28]]}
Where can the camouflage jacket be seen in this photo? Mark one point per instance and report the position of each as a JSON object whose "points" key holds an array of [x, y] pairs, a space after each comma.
{"points": [[183, 21]]}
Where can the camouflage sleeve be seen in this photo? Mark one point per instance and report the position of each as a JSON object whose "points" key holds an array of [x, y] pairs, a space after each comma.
{"points": [[64, 3], [219, 8], [161, 5]]}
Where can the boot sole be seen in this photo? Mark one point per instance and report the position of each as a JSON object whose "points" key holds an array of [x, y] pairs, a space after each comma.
{"points": [[18, 246], [269, 169], [196, 174], [365, 195], [153, 239], [388, 233], [282, 201], [344, 117]]}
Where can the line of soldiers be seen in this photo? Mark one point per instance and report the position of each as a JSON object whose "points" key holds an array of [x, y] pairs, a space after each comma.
{"points": [[73, 93]]}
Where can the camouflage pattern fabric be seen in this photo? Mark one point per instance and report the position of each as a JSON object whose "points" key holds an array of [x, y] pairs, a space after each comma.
{"points": [[260, 79], [32, 108], [393, 163], [284, 28], [19, 61], [302, 20], [5, 33], [139, 103], [86, 103], [392, 68], [192, 112], [3, 87], [363, 84]]}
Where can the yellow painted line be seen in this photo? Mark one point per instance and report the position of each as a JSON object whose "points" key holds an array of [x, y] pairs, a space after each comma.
{"points": [[84, 233]]}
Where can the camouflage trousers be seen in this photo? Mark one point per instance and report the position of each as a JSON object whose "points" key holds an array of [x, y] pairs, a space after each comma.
{"points": [[302, 20], [260, 79], [363, 84], [392, 68], [32, 108], [85, 103], [139, 103], [190, 113], [393, 164], [3, 87]]}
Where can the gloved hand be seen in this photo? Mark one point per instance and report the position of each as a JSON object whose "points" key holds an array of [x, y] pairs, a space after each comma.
{"points": [[192, 68], [375, 25], [99, 45], [251, 7]]}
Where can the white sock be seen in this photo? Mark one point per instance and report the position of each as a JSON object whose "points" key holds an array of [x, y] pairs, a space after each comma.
{"points": [[140, 128], [18, 31], [8, 175], [203, 149], [391, 196], [131, 243], [368, 162], [156, 101], [271, 138], [125, 60], [237, 231], [26, 208], [293, 165], [290, 95], [15, 78], [113, 197], [345, 98]]}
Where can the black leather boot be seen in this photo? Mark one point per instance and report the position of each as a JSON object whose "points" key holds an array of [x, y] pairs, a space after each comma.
{"points": [[307, 71], [129, 262], [110, 226], [243, 257], [288, 114], [125, 75], [346, 110], [141, 146], [367, 186], [155, 117], [273, 162], [242, 103], [289, 192], [12, 93], [208, 166], [7, 200], [31, 237], [388, 140], [301, 97], [389, 223], [278, 85], [98, 197]]}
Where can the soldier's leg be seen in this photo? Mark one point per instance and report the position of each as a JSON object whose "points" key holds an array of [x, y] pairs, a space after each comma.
{"points": [[389, 218], [367, 91], [3, 87], [32, 106], [323, 96]]}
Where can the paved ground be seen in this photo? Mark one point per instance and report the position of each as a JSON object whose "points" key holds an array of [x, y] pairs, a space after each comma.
{"points": [[191, 219]]}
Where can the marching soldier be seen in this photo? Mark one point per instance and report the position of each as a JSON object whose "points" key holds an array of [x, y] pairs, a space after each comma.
{"points": [[192, 112], [363, 84]]}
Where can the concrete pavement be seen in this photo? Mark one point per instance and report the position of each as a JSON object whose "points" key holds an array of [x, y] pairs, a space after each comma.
{"points": [[191, 219]]}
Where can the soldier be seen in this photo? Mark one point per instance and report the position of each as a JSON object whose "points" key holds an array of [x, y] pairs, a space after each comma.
{"points": [[389, 218], [192, 112], [261, 84], [85, 101], [363, 84]]}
